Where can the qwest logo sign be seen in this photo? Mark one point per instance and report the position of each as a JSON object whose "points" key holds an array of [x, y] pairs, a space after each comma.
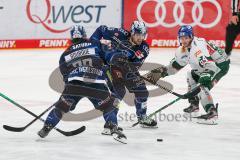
{"points": [[61, 14]]}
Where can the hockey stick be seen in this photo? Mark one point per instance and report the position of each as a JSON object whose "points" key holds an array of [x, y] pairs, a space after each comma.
{"points": [[65, 133], [159, 110], [187, 95], [20, 129]]}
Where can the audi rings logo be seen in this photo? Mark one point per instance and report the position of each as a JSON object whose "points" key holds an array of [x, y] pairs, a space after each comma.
{"points": [[179, 13]]}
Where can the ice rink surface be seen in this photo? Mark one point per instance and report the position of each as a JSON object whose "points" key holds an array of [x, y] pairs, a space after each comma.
{"points": [[24, 77]]}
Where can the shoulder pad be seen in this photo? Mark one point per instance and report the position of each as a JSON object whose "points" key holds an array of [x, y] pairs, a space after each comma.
{"points": [[123, 31]]}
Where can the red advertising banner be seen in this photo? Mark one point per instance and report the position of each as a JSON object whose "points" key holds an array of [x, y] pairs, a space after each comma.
{"points": [[163, 18], [34, 43]]}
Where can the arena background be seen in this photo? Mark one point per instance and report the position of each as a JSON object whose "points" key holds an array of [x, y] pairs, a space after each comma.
{"points": [[45, 23], [34, 34]]}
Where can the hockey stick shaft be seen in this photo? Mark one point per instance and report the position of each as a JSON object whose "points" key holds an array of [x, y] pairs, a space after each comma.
{"points": [[20, 129], [159, 110], [189, 94], [164, 88], [71, 133], [167, 105], [16, 104]]}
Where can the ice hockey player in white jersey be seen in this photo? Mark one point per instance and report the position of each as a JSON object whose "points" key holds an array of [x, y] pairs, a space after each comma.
{"points": [[209, 64]]}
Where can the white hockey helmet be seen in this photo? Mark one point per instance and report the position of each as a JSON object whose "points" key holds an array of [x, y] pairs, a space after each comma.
{"points": [[138, 27], [77, 31]]}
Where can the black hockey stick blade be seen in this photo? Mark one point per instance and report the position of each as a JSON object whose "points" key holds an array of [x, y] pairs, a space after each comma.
{"points": [[65, 133], [133, 125], [20, 129], [72, 133], [14, 129]]}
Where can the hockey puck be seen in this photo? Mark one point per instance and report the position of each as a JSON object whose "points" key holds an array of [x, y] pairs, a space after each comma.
{"points": [[159, 140]]}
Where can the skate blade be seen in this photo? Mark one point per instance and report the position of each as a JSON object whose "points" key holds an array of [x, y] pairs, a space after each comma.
{"points": [[212, 121], [148, 127], [41, 135], [121, 140]]}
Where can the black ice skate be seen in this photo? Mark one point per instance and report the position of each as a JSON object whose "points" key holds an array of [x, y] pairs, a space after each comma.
{"points": [[192, 108], [147, 122], [117, 134], [107, 129], [45, 130], [210, 118]]}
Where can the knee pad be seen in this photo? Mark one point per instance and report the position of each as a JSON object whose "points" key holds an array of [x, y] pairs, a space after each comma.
{"points": [[66, 104], [109, 104]]}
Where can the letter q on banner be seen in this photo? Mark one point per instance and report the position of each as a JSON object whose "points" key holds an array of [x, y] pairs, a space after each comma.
{"points": [[179, 12]]}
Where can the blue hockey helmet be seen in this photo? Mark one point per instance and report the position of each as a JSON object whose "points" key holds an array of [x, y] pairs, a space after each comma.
{"points": [[77, 32], [185, 30], [139, 27]]}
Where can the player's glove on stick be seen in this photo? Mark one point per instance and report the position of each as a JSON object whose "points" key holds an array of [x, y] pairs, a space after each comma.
{"points": [[121, 60], [205, 79], [157, 73]]}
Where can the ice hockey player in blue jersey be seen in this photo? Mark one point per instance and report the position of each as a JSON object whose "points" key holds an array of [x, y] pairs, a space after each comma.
{"points": [[84, 74], [131, 48]]}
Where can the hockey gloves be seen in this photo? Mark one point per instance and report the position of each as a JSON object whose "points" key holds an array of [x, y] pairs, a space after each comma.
{"points": [[121, 60], [157, 73], [205, 79]]}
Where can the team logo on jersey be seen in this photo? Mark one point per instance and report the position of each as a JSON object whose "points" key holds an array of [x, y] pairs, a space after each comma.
{"points": [[202, 61], [139, 54]]}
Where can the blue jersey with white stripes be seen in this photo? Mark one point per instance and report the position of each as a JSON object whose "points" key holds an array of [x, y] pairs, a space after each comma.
{"points": [[120, 41], [82, 61]]}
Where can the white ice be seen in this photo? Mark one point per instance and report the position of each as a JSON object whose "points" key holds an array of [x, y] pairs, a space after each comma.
{"points": [[24, 78]]}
